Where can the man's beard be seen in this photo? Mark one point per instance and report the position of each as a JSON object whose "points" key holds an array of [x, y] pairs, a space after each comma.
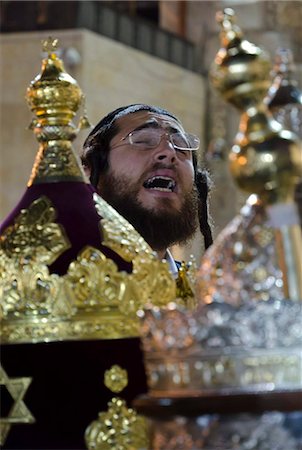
{"points": [[160, 228]]}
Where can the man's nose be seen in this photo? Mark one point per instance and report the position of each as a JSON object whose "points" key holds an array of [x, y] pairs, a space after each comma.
{"points": [[166, 150]]}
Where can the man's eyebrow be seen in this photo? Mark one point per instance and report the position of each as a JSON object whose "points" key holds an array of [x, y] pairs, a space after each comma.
{"points": [[147, 125], [155, 124]]}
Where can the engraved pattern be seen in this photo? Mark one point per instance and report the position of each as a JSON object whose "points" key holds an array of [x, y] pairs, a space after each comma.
{"points": [[55, 132], [55, 101], [119, 427], [55, 163], [53, 329]]}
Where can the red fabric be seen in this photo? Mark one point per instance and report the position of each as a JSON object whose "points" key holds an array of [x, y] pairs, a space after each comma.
{"points": [[76, 213]]}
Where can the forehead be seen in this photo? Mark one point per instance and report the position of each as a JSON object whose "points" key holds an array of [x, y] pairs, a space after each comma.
{"points": [[130, 122]]}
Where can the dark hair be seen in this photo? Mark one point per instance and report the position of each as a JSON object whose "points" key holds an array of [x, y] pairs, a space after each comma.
{"points": [[97, 146]]}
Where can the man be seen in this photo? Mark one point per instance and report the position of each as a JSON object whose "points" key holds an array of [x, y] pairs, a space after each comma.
{"points": [[142, 162]]}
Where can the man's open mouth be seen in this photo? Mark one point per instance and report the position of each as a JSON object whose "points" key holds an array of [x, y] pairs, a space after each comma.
{"points": [[160, 183]]}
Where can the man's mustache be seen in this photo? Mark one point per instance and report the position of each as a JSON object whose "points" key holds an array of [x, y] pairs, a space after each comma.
{"points": [[158, 166]]}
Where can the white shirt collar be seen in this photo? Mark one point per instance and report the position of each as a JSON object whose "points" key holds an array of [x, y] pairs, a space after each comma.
{"points": [[170, 260]]}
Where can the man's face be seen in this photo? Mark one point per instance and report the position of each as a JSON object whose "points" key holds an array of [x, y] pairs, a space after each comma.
{"points": [[153, 188]]}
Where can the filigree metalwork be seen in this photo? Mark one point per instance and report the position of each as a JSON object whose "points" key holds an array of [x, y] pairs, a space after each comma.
{"points": [[220, 346], [18, 413], [246, 334], [243, 262]]}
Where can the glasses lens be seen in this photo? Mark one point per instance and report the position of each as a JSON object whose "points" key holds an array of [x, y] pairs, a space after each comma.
{"points": [[148, 138], [151, 137], [185, 141]]}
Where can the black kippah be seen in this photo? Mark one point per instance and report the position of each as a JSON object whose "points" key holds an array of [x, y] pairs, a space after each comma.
{"points": [[107, 120]]}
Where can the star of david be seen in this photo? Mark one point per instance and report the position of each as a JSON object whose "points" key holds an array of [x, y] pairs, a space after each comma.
{"points": [[18, 413]]}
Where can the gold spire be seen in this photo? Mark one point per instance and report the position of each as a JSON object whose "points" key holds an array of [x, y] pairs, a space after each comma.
{"points": [[240, 69], [265, 160], [54, 97]]}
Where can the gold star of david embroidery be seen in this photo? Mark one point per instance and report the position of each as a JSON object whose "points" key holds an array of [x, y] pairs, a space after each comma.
{"points": [[18, 413]]}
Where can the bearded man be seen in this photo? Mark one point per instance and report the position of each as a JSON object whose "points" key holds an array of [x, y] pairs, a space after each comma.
{"points": [[142, 162]]}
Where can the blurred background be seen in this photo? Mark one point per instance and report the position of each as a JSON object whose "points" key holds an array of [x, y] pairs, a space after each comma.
{"points": [[123, 52]]}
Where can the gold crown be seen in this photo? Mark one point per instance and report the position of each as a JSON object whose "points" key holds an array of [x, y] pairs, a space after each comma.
{"points": [[93, 299]]}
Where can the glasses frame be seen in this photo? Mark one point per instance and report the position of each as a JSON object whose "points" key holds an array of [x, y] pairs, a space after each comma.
{"points": [[165, 133]]}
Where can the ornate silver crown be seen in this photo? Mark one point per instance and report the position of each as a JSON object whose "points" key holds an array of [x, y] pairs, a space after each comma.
{"points": [[255, 346]]}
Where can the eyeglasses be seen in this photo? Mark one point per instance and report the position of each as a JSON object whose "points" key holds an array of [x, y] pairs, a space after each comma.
{"points": [[148, 138]]}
